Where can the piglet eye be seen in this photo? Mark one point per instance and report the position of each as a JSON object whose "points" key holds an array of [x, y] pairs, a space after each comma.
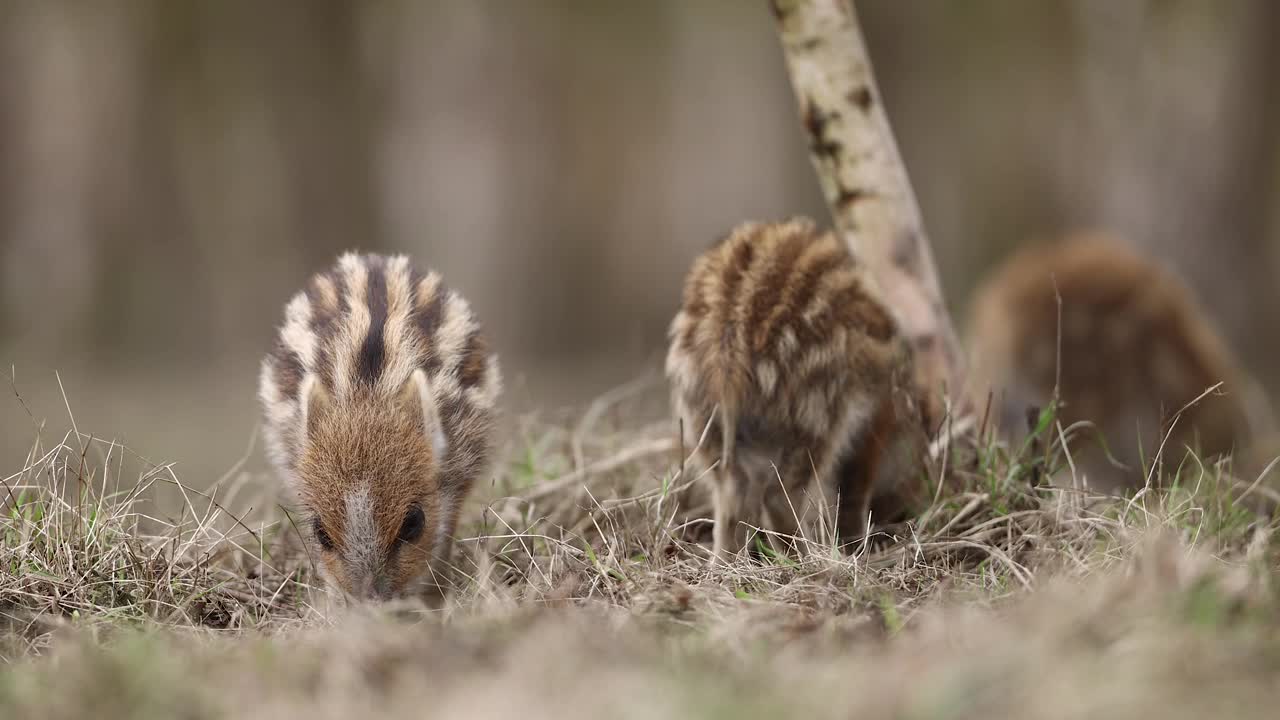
{"points": [[414, 522], [322, 535]]}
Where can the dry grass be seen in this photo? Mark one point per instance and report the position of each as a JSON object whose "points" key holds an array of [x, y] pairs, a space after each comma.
{"points": [[584, 589]]}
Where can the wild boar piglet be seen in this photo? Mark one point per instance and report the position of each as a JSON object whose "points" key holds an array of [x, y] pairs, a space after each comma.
{"points": [[1128, 347], [784, 354], [379, 399]]}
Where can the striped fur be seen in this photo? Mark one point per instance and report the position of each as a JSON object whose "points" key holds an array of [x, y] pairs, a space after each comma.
{"points": [[1135, 348], [780, 330], [379, 396]]}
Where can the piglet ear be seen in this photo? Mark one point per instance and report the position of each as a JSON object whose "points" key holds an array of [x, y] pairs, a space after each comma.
{"points": [[417, 400], [315, 403]]}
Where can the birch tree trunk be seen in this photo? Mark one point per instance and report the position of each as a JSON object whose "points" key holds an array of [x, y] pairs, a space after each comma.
{"points": [[865, 182]]}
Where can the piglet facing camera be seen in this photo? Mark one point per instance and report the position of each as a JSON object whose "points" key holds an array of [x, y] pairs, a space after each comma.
{"points": [[380, 398]]}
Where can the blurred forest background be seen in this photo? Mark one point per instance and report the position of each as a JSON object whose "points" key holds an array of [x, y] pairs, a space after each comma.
{"points": [[172, 170]]}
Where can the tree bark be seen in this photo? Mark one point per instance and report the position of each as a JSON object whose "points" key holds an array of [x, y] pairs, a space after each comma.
{"points": [[865, 182]]}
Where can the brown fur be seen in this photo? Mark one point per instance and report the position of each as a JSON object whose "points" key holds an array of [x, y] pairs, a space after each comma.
{"points": [[1135, 348], [358, 440], [890, 458], [379, 398], [781, 331]]}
